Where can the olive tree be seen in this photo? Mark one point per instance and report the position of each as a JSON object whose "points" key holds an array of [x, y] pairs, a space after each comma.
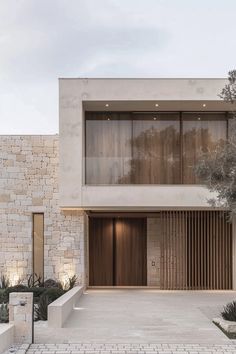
{"points": [[218, 169]]}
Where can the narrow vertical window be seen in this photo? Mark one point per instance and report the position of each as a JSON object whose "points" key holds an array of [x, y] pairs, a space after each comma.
{"points": [[38, 244]]}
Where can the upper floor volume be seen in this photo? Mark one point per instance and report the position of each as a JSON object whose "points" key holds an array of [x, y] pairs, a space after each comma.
{"points": [[120, 134]]}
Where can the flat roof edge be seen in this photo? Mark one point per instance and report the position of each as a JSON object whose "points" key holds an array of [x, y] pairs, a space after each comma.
{"points": [[142, 78]]}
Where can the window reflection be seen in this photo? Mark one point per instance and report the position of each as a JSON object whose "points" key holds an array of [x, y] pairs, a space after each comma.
{"points": [[126, 148], [202, 133], [145, 148]]}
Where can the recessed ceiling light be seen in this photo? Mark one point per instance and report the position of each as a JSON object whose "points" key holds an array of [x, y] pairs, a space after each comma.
{"points": [[204, 105], [157, 105], [154, 118], [107, 105], [199, 118]]}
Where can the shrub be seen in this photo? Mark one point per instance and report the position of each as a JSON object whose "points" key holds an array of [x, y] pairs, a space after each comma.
{"points": [[4, 313], [229, 312], [41, 311], [2, 295], [13, 289], [53, 293], [4, 282], [47, 298], [51, 283], [34, 280], [72, 281], [37, 291]]}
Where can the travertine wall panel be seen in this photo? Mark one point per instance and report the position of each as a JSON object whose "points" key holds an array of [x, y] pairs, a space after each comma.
{"points": [[29, 183]]}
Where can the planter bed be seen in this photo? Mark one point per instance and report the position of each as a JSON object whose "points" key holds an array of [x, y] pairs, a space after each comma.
{"points": [[227, 327]]}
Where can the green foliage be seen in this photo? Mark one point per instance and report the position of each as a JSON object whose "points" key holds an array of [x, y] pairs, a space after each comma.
{"points": [[44, 294], [34, 280], [2, 295], [229, 312], [4, 282], [218, 169], [70, 283], [47, 298], [51, 283], [229, 91], [53, 294], [14, 289], [4, 313], [41, 311], [37, 291]]}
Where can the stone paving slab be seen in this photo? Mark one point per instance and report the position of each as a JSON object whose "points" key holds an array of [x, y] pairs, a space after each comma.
{"points": [[141, 316], [119, 348]]}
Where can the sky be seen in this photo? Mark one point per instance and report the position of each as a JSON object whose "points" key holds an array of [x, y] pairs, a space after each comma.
{"points": [[42, 40]]}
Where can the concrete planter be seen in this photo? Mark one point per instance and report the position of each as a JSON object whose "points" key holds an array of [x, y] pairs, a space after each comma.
{"points": [[227, 326], [60, 309], [6, 336]]}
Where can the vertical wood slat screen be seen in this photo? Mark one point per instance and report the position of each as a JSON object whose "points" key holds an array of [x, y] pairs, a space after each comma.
{"points": [[196, 250]]}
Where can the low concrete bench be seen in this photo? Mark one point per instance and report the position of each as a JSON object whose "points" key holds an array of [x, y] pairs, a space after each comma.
{"points": [[60, 309]]}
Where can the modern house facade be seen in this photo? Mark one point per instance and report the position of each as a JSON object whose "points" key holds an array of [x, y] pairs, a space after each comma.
{"points": [[114, 198]]}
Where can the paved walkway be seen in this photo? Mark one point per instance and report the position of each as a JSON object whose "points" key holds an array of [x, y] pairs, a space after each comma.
{"points": [[130, 349], [142, 316]]}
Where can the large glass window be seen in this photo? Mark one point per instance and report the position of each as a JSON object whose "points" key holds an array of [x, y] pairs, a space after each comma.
{"points": [[202, 132], [149, 148], [108, 148], [38, 244], [155, 149], [129, 148]]}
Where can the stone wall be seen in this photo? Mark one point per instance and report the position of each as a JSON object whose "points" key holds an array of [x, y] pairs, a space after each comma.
{"points": [[28, 184]]}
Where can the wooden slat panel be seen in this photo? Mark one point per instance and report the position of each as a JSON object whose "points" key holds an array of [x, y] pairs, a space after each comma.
{"points": [[189, 250], [197, 250], [208, 285], [230, 258], [211, 249], [221, 251], [162, 251], [214, 253]]}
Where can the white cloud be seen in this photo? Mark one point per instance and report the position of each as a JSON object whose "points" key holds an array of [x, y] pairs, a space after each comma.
{"points": [[43, 40]]}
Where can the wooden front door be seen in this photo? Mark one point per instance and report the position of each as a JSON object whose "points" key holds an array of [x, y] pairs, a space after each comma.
{"points": [[101, 252], [130, 252], [117, 252]]}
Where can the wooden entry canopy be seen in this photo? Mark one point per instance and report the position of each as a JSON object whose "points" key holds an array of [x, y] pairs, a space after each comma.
{"points": [[117, 252]]}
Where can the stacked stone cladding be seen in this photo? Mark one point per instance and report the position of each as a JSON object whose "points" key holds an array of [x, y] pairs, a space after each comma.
{"points": [[29, 184]]}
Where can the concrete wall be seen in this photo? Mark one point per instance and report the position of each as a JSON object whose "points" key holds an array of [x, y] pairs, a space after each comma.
{"points": [[75, 95], [60, 309], [29, 183]]}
